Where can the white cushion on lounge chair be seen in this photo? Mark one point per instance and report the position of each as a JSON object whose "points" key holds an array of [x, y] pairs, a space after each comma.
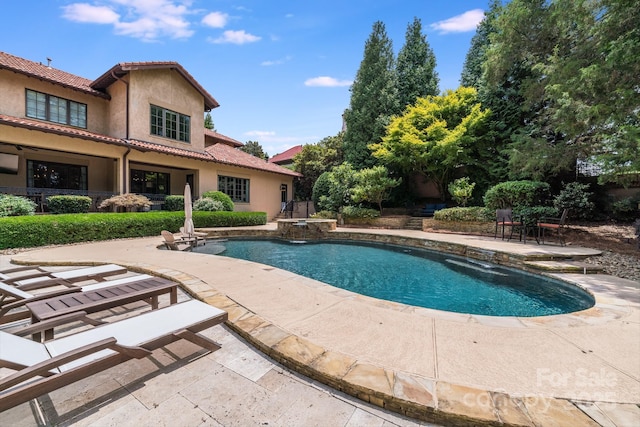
{"points": [[135, 330], [13, 291], [22, 351], [72, 274], [115, 282]]}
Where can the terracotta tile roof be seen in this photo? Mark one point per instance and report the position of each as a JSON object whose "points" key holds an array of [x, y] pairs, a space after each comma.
{"points": [[223, 153], [218, 153], [119, 70], [49, 127], [286, 156], [218, 137], [51, 75]]}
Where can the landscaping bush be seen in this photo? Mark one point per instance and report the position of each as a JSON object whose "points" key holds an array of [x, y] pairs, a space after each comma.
{"points": [[208, 204], [221, 197], [575, 197], [321, 189], [356, 212], [174, 203], [532, 214], [324, 215], [461, 190], [40, 230], [470, 214], [11, 205], [515, 194], [127, 201], [626, 210], [68, 204]]}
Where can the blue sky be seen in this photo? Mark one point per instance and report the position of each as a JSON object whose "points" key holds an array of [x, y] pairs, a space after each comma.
{"points": [[281, 70]]}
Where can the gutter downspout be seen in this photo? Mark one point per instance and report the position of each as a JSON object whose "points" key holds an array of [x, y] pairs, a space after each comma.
{"points": [[125, 182]]}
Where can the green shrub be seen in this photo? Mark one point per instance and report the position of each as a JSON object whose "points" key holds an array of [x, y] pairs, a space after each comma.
{"points": [[358, 212], [11, 205], [208, 204], [324, 215], [470, 214], [626, 210], [221, 197], [321, 189], [40, 230], [575, 197], [461, 190], [174, 203], [515, 194], [127, 201], [68, 204], [532, 214]]}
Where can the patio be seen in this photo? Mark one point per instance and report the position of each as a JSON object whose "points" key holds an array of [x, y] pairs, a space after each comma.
{"points": [[579, 368]]}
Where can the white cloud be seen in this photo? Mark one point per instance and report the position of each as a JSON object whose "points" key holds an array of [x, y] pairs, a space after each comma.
{"points": [[468, 21], [235, 37], [325, 81], [145, 19], [83, 12], [276, 61], [215, 19]]}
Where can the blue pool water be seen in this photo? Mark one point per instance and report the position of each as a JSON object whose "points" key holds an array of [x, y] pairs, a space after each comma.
{"points": [[413, 276]]}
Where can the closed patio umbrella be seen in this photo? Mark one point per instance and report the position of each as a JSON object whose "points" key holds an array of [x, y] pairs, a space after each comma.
{"points": [[189, 229]]}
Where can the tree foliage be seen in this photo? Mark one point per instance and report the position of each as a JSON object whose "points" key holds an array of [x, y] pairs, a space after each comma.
{"points": [[415, 68], [373, 185], [314, 160], [255, 149], [208, 122], [572, 65], [333, 189], [434, 136], [374, 99]]}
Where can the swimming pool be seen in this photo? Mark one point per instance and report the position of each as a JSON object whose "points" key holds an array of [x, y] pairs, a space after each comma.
{"points": [[414, 276]]}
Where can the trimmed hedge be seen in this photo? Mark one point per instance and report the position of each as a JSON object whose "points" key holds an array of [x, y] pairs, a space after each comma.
{"points": [[41, 230], [515, 194], [11, 205], [470, 214], [68, 204], [174, 203]]}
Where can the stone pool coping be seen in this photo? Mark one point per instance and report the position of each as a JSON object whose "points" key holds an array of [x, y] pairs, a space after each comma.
{"points": [[424, 397]]}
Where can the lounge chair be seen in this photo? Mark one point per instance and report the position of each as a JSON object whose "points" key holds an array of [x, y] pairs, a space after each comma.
{"points": [[173, 243], [7, 273], [98, 273], [13, 298], [44, 367]]}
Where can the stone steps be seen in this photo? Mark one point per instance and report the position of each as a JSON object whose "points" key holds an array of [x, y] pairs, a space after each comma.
{"points": [[414, 223], [564, 266]]}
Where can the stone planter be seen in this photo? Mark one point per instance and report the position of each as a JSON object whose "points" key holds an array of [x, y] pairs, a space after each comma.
{"points": [[466, 227]]}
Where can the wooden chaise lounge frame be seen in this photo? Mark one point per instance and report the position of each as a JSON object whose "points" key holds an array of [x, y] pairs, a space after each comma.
{"points": [[44, 367]]}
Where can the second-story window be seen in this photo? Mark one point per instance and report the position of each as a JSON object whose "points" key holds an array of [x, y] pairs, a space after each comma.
{"points": [[170, 124], [54, 109]]}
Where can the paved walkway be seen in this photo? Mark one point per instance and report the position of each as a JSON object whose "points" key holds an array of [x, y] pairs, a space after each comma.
{"points": [[575, 369]]}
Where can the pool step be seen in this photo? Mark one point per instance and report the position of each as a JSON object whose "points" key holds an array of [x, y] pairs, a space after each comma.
{"points": [[565, 266]]}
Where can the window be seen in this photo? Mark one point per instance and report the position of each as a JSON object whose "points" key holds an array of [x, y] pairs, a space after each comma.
{"points": [[149, 182], [236, 188], [53, 109], [170, 124], [56, 175]]}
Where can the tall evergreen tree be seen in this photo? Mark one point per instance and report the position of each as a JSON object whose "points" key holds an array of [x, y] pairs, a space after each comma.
{"points": [[374, 99], [416, 67], [208, 122], [255, 149], [472, 67]]}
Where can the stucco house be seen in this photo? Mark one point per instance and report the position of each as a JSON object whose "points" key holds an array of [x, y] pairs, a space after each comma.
{"points": [[286, 157], [137, 128]]}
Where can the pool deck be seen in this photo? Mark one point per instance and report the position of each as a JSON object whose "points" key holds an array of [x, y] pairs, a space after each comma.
{"points": [[456, 369]]}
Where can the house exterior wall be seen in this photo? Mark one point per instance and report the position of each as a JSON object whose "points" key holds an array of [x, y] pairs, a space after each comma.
{"points": [[168, 89], [109, 164], [13, 88]]}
